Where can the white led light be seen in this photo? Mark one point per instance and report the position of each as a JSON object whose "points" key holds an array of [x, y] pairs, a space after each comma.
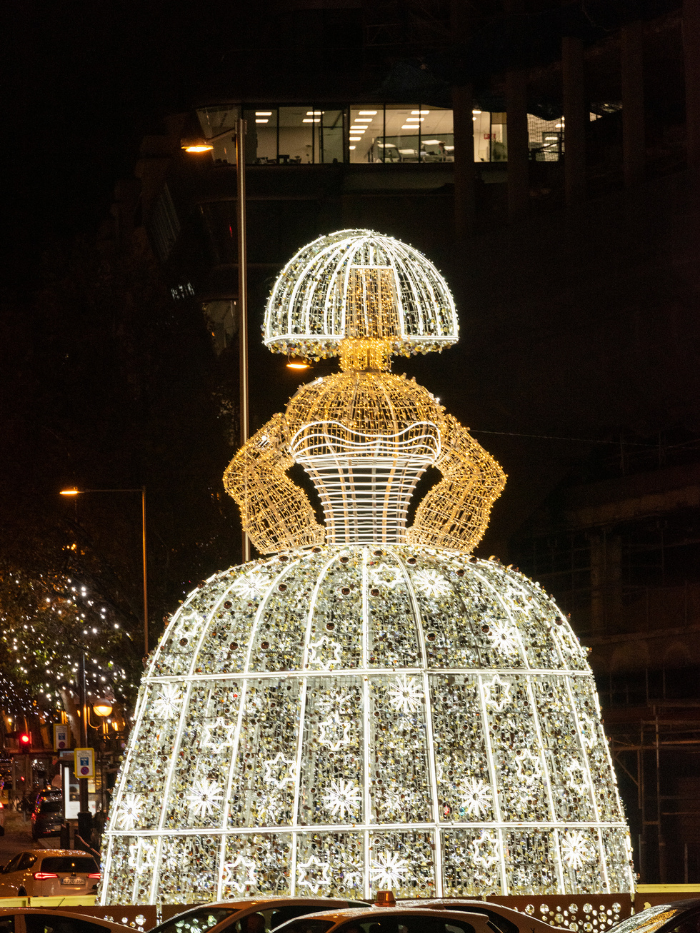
{"points": [[314, 113], [262, 121], [414, 119], [476, 111], [351, 147], [263, 113], [368, 113], [420, 111], [363, 119], [311, 120]]}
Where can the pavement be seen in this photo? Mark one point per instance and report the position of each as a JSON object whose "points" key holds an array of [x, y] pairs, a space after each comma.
{"points": [[18, 836]]}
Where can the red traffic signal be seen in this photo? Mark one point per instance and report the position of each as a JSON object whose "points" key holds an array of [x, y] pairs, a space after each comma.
{"points": [[25, 740]]}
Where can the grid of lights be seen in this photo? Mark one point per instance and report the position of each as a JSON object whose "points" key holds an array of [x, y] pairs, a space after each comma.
{"points": [[305, 313], [358, 718]]}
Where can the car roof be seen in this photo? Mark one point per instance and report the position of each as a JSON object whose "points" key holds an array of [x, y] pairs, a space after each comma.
{"points": [[62, 912], [478, 905], [350, 913], [261, 903]]}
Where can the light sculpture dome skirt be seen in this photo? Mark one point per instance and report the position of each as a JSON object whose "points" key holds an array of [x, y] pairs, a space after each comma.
{"points": [[344, 719]]}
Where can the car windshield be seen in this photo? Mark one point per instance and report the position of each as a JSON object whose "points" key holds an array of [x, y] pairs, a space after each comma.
{"points": [[648, 920], [195, 921], [67, 863]]}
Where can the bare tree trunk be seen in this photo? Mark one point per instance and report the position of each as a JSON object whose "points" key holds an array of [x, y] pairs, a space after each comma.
{"points": [[71, 709]]}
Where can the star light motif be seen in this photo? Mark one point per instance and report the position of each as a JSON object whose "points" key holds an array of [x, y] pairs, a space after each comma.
{"points": [[280, 771], [475, 797], [485, 850], [496, 693], [313, 874], [578, 777], [385, 575], [504, 638], [342, 798], [405, 694], [334, 733], [167, 702], [252, 585], [218, 735], [240, 880], [388, 870], [575, 850], [431, 583], [187, 626], [528, 767], [205, 797], [589, 733], [132, 805], [316, 650]]}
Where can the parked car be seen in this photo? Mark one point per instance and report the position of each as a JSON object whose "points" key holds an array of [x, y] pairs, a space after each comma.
{"points": [[47, 817], [676, 917], [49, 872], [397, 919], [38, 920], [503, 919], [248, 916]]}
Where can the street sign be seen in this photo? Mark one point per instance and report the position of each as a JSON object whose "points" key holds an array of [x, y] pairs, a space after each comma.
{"points": [[84, 762], [61, 738]]}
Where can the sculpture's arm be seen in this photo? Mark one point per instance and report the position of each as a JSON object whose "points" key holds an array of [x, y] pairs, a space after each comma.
{"points": [[276, 513], [455, 513]]}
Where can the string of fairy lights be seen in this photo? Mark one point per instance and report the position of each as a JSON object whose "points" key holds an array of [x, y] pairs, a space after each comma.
{"points": [[48, 622]]}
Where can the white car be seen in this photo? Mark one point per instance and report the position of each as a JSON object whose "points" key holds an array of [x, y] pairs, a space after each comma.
{"points": [[390, 920], [38, 920], [249, 915], [48, 873]]}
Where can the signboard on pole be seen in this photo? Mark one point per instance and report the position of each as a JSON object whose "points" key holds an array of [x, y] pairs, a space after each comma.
{"points": [[84, 762], [61, 738]]}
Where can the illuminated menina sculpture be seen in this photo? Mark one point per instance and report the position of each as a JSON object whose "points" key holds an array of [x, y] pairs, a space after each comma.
{"points": [[368, 706]]}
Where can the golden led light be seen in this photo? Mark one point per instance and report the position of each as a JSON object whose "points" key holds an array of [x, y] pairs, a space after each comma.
{"points": [[196, 145], [70, 492], [102, 709]]}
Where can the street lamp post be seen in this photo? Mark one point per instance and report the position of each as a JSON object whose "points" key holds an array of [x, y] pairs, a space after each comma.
{"points": [[142, 490], [199, 145]]}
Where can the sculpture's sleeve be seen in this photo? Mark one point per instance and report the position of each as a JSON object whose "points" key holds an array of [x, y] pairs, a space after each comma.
{"points": [[455, 513], [275, 512]]}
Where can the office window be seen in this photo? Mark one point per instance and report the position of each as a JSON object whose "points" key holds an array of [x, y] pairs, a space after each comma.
{"points": [[365, 128], [216, 120], [296, 134], [261, 135]]}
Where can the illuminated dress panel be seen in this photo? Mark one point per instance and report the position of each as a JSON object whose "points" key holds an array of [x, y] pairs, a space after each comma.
{"points": [[368, 706]]}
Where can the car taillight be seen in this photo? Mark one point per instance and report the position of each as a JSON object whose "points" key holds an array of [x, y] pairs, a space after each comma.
{"points": [[44, 875], [94, 874]]}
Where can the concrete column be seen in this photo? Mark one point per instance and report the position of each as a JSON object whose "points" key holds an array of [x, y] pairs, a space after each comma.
{"points": [[691, 56], [575, 119], [632, 65], [518, 155], [463, 104]]}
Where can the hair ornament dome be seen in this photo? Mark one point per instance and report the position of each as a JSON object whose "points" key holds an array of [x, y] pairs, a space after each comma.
{"points": [[359, 284]]}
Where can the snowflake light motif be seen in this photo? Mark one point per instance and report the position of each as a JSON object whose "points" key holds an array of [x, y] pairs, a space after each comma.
{"points": [[342, 798], [504, 638], [334, 733], [205, 797], [575, 850], [431, 583], [353, 879], [239, 874], [148, 856], [218, 735], [528, 767], [252, 585], [313, 874], [496, 693], [167, 702], [485, 850], [385, 575], [279, 771], [269, 809], [475, 797], [316, 649], [388, 870], [130, 811], [405, 694]]}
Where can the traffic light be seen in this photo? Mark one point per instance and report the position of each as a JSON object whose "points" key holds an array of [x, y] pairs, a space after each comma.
{"points": [[25, 741]]}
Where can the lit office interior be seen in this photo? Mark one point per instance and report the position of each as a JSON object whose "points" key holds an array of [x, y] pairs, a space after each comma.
{"points": [[307, 134]]}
